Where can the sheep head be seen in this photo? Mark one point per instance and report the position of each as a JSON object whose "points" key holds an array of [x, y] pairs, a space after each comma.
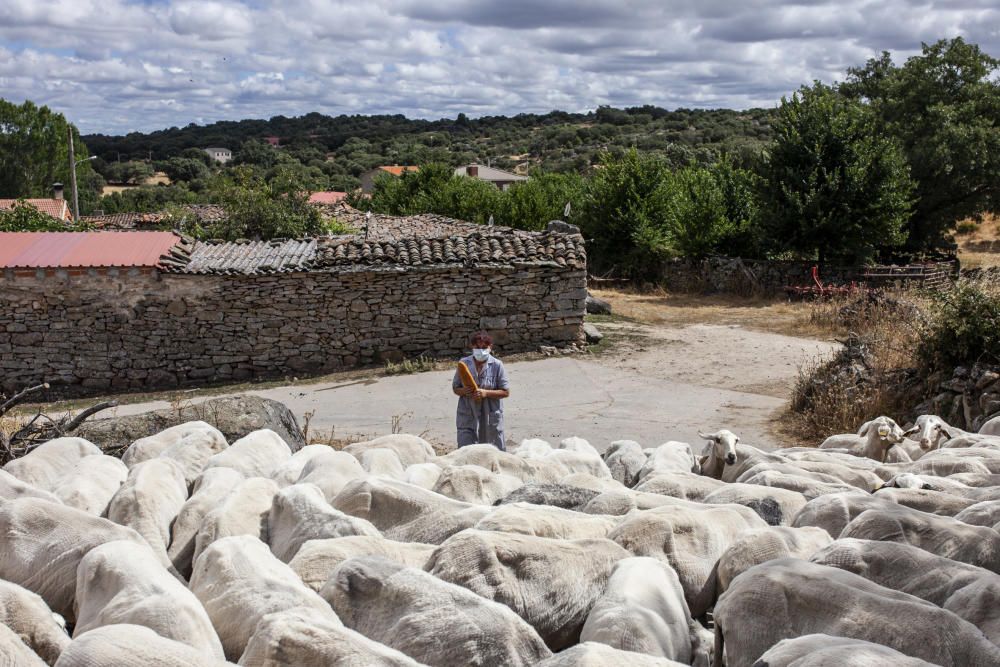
{"points": [[931, 429], [722, 445], [885, 428], [905, 480]]}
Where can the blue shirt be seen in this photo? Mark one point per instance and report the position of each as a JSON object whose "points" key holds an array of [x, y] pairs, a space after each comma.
{"points": [[492, 376]]}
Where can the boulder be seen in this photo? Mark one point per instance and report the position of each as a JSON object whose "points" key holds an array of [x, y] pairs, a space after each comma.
{"points": [[592, 334], [597, 306], [235, 416]]}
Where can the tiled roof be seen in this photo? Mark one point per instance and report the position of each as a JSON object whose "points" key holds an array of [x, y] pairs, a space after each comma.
{"points": [[391, 227], [396, 169], [329, 197], [122, 220], [85, 249], [248, 257], [57, 208], [471, 250]]}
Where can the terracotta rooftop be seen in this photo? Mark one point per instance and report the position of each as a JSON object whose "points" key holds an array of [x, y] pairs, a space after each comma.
{"points": [[84, 249], [246, 257], [396, 169], [57, 208], [329, 197]]}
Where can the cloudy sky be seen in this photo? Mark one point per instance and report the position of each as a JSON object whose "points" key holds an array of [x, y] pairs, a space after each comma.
{"points": [[120, 65]]}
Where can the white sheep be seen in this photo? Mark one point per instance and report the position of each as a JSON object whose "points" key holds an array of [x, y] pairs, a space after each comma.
{"points": [[151, 446], [43, 466], [719, 452], [873, 440], [257, 454]]}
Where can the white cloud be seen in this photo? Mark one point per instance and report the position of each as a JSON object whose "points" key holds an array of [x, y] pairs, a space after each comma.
{"points": [[122, 65]]}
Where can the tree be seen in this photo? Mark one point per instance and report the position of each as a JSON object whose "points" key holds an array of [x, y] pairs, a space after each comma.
{"points": [[133, 172], [623, 217], [185, 169], [260, 209], [944, 107], [695, 211], [34, 153], [531, 204], [833, 184]]}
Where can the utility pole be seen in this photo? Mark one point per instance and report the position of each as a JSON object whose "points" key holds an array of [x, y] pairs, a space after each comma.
{"points": [[72, 176]]}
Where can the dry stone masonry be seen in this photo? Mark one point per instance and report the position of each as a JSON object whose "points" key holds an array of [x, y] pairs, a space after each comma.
{"points": [[233, 312]]}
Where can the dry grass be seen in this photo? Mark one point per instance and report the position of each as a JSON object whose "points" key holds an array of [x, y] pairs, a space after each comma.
{"points": [[980, 247], [773, 315]]}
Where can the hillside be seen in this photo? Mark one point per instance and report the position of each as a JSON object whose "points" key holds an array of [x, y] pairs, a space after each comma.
{"points": [[557, 141]]}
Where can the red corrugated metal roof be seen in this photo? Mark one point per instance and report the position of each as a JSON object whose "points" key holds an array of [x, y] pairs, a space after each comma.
{"points": [[83, 249]]}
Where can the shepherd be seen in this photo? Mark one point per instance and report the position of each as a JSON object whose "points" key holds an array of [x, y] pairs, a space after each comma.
{"points": [[481, 385]]}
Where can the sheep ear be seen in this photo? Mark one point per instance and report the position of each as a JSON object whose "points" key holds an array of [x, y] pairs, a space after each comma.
{"points": [[707, 436], [863, 431], [948, 434], [911, 430]]}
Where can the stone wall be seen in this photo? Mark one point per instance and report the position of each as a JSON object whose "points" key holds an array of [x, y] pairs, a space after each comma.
{"points": [[966, 399], [89, 331], [747, 277]]}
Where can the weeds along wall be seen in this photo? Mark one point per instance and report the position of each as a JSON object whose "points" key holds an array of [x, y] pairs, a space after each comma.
{"points": [[95, 330]]}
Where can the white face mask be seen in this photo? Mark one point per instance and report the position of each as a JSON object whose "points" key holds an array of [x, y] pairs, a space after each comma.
{"points": [[481, 354]]}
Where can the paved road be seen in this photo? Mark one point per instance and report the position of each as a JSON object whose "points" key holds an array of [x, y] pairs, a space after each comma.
{"points": [[656, 384]]}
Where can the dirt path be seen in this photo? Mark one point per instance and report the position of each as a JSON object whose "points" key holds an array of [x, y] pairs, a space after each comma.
{"points": [[652, 383]]}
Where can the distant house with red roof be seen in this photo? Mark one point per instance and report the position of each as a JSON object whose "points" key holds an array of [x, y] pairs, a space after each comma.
{"points": [[328, 197], [368, 177], [55, 207]]}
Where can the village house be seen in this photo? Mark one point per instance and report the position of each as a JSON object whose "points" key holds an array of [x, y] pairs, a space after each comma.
{"points": [[368, 177], [90, 312], [498, 177], [55, 207], [220, 155]]}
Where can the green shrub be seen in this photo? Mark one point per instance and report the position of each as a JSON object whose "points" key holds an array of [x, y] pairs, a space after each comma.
{"points": [[965, 327], [967, 227]]}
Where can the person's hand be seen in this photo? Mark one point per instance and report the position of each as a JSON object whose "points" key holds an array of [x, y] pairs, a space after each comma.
{"points": [[479, 394], [465, 391]]}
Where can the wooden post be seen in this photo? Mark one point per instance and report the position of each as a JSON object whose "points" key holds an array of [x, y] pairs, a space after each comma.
{"points": [[72, 176]]}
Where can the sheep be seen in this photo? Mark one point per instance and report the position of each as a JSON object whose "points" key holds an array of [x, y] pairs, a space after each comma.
{"points": [[690, 539], [11, 488], [193, 451], [209, 491], [300, 513], [289, 472], [428, 619], [491, 458], [873, 440], [687, 485], [533, 448], [551, 584], [243, 511], [45, 464], [91, 484], [968, 591], [556, 495], [777, 507], [833, 472], [331, 472], [826, 651], [424, 475], [257, 454], [546, 521], [670, 457], [720, 452], [26, 614], [302, 636], [584, 480], [316, 559], [382, 461], [579, 445], [625, 459], [121, 582], [620, 503], [152, 446], [15, 652], [410, 449], [150, 500], [788, 597], [941, 535], [405, 512], [990, 426], [132, 646], [932, 431], [759, 546], [833, 512], [643, 610], [42, 545], [472, 484], [592, 654], [983, 513], [808, 487], [574, 461], [927, 500], [239, 581]]}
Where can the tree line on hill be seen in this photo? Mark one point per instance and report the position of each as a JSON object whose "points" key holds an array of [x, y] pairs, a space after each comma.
{"points": [[878, 167]]}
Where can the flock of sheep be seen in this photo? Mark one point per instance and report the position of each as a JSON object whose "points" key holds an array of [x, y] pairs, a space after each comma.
{"points": [[875, 548]]}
